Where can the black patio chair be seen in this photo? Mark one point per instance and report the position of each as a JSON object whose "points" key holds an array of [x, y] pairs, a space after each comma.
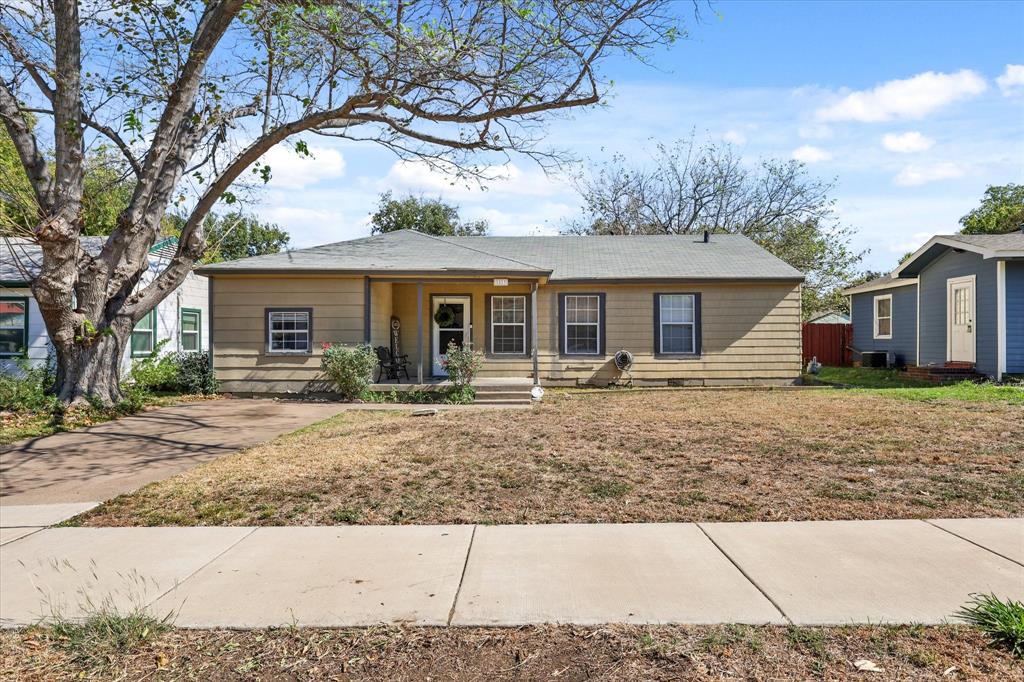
{"points": [[391, 367]]}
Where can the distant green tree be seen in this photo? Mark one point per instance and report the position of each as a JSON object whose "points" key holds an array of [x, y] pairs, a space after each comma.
{"points": [[834, 300], [106, 192], [1001, 211], [234, 235], [431, 216]]}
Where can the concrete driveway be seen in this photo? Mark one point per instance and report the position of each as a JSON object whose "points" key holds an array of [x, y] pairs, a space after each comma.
{"points": [[109, 459]]}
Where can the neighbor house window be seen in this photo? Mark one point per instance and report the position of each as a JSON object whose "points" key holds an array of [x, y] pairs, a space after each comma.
{"points": [[189, 328], [144, 335], [13, 326], [883, 317], [581, 324], [677, 319], [289, 331], [508, 324]]}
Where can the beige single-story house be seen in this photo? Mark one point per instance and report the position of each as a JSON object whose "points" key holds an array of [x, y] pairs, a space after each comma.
{"points": [[554, 309]]}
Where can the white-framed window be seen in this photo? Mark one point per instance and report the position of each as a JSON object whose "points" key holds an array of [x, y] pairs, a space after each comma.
{"points": [[189, 328], [883, 316], [677, 323], [13, 326], [508, 325], [144, 335], [289, 330], [581, 317]]}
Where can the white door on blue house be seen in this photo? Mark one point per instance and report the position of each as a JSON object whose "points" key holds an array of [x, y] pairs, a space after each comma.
{"points": [[960, 318], [451, 324]]}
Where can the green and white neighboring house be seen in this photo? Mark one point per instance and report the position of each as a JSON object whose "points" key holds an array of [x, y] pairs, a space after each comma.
{"points": [[182, 318]]}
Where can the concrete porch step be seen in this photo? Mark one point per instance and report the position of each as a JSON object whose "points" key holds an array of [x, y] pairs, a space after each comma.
{"points": [[502, 401]]}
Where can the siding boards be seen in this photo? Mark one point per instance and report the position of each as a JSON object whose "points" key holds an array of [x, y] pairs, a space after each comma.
{"points": [[1015, 317], [750, 331], [903, 344], [933, 307], [239, 354]]}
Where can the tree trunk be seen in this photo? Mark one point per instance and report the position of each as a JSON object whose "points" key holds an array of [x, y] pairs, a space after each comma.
{"points": [[91, 373]]}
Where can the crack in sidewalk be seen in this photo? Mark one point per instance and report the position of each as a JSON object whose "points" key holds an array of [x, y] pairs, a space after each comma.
{"points": [[745, 574], [179, 583], [458, 590], [976, 544]]}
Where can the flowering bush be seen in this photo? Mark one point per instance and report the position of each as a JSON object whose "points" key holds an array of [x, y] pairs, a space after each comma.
{"points": [[350, 368], [462, 365]]}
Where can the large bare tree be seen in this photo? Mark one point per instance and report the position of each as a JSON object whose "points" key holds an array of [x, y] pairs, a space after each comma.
{"points": [[192, 95], [688, 187]]}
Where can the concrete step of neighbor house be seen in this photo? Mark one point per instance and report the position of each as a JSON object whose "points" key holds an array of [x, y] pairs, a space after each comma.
{"points": [[503, 394]]}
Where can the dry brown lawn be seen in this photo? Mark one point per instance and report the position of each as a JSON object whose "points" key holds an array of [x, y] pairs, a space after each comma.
{"points": [[645, 456], [532, 653]]}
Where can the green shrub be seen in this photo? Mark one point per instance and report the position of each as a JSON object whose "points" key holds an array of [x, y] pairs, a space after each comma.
{"points": [[155, 372], [29, 389], [462, 364], [1002, 621], [452, 395], [349, 368], [460, 395], [195, 375]]}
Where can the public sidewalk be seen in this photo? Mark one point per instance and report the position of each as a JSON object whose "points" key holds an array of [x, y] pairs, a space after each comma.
{"points": [[807, 573]]}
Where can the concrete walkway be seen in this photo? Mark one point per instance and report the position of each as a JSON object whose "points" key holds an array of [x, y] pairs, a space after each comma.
{"points": [[100, 462], [808, 573]]}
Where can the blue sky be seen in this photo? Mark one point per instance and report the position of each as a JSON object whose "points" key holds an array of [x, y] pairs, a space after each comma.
{"points": [[913, 109]]}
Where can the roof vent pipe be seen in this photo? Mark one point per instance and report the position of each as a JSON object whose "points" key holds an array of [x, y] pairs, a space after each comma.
{"points": [[707, 236]]}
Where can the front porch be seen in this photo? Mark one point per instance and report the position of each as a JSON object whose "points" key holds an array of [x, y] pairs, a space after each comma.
{"points": [[419, 317]]}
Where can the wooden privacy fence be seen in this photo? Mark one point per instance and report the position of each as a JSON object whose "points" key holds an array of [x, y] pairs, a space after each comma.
{"points": [[828, 343]]}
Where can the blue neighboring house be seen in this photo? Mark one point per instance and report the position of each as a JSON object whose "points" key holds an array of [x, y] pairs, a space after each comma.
{"points": [[958, 300]]}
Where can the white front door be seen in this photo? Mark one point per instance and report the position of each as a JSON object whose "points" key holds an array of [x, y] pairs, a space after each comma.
{"points": [[451, 323], [960, 319]]}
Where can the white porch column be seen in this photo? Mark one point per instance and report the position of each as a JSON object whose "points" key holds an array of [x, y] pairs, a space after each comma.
{"points": [[419, 332], [534, 336]]}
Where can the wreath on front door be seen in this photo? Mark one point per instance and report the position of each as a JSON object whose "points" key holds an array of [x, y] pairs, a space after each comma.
{"points": [[445, 316]]}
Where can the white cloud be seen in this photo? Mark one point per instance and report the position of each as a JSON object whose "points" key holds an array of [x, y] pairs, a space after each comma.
{"points": [[912, 243], [915, 175], [818, 131], [505, 179], [310, 226], [289, 170], [541, 219], [735, 137], [909, 98], [809, 154], [1012, 80], [907, 143]]}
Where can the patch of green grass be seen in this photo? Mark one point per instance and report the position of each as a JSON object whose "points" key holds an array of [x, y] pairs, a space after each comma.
{"points": [[689, 497], [838, 491], [346, 515], [606, 490], [866, 377], [721, 638], [965, 391], [893, 383], [1002, 621], [94, 641], [807, 639]]}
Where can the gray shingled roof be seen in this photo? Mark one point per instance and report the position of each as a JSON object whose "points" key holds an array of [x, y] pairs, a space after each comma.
{"points": [[21, 259], [562, 258], [883, 282], [1013, 241]]}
